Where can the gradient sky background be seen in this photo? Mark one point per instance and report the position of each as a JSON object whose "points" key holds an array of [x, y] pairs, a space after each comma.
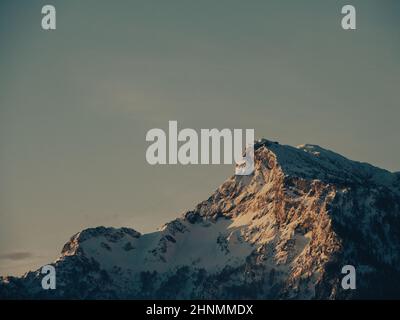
{"points": [[76, 103]]}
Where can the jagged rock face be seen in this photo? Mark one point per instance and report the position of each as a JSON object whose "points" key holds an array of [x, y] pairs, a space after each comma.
{"points": [[284, 232]]}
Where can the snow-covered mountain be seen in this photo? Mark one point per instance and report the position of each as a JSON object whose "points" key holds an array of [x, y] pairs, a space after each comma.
{"points": [[285, 232]]}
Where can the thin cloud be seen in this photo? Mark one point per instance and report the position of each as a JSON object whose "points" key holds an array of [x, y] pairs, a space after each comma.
{"points": [[16, 256]]}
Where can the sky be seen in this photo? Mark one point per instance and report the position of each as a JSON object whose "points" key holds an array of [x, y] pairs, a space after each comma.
{"points": [[76, 103]]}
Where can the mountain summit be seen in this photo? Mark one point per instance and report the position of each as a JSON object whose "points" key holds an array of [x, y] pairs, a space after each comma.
{"points": [[284, 232]]}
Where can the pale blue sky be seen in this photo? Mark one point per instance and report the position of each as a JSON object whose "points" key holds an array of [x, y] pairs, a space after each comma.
{"points": [[76, 103]]}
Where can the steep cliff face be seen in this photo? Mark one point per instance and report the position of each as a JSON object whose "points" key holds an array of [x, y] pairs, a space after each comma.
{"points": [[285, 232]]}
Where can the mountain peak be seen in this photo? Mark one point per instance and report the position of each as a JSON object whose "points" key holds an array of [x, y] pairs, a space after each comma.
{"points": [[313, 162], [102, 235], [285, 231]]}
